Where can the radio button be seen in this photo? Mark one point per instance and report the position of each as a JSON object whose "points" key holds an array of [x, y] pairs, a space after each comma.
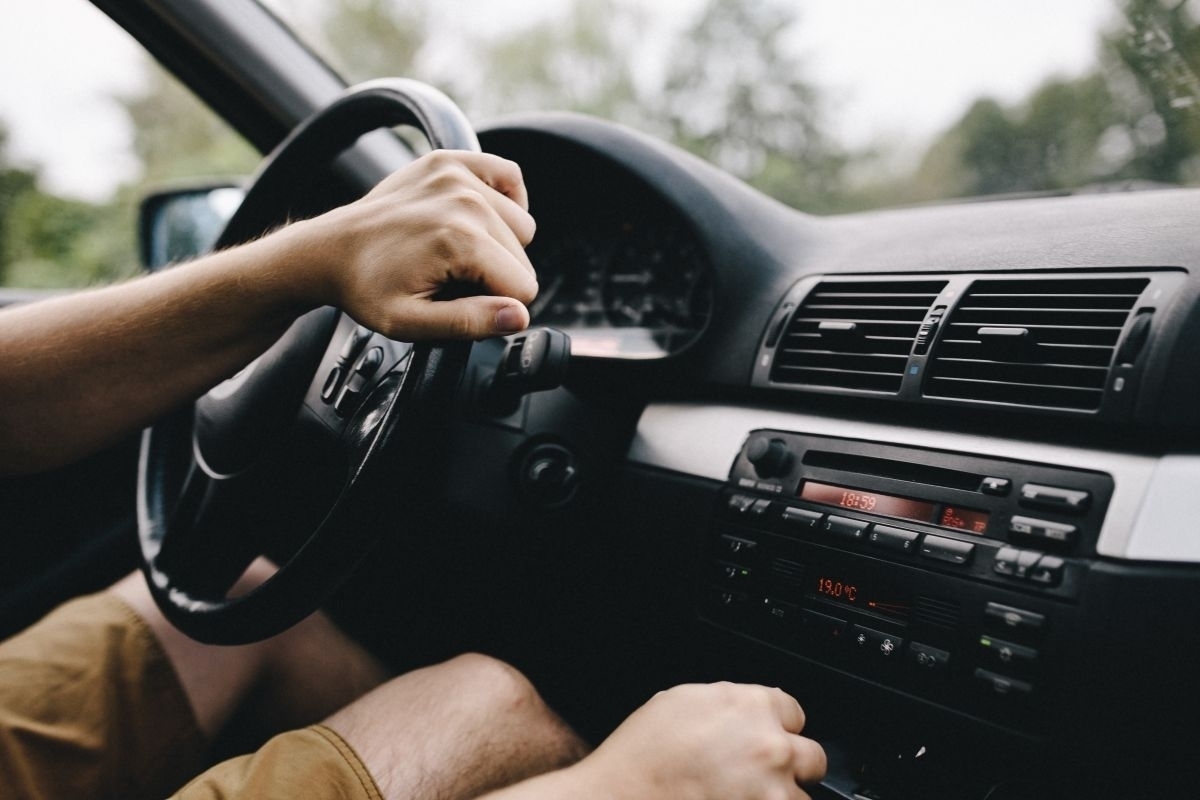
{"points": [[728, 599], [890, 538], [1002, 684], [782, 615], [1043, 530], [844, 528], [951, 551], [740, 503], [1015, 619], [1025, 561], [1007, 653], [997, 486], [928, 659], [1006, 561], [1048, 571], [876, 644], [731, 574], [759, 508], [1054, 498], [736, 547], [801, 517]]}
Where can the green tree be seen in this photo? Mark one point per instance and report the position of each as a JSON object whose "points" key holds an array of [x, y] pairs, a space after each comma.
{"points": [[1136, 116], [372, 38], [15, 183], [735, 95], [176, 136], [1160, 49], [48, 241], [581, 60]]}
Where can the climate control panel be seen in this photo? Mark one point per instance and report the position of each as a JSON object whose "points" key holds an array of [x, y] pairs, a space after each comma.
{"points": [[949, 576]]}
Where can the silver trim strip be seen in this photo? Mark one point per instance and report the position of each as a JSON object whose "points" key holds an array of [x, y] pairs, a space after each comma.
{"points": [[1147, 519]]}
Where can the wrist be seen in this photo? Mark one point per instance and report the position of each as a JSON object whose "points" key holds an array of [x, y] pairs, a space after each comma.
{"points": [[300, 261]]}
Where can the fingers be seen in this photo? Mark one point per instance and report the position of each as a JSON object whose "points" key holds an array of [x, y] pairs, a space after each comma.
{"points": [[464, 318], [490, 190], [499, 173], [808, 757], [809, 760], [788, 709]]}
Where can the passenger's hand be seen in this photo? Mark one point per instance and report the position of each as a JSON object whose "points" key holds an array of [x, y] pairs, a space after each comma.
{"points": [[708, 742], [451, 221]]}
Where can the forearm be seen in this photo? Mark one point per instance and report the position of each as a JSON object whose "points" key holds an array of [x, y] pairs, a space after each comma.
{"points": [[80, 372], [77, 373]]}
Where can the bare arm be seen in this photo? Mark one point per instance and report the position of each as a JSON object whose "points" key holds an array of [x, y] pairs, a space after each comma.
{"points": [[80, 372]]}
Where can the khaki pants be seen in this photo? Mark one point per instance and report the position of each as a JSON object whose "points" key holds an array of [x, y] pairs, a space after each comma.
{"points": [[91, 707]]}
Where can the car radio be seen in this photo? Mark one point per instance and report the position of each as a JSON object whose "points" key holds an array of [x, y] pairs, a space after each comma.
{"points": [[951, 576]]}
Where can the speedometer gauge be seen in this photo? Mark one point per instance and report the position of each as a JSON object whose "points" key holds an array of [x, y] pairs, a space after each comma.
{"points": [[622, 288]]}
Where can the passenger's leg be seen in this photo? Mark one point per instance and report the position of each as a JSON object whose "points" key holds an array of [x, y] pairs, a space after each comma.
{"points": [[455, 730]]}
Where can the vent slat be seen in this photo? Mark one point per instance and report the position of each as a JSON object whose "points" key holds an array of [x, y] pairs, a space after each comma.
{"points": [[936, 611], [872, 357], [1071, 327]]}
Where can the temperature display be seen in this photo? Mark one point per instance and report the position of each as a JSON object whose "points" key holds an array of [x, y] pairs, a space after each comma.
{"points": [[864, 596], [838, 589], [873, 502]]}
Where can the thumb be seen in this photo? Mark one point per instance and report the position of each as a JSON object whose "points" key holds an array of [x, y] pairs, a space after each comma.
{"points": [[476, 317]]}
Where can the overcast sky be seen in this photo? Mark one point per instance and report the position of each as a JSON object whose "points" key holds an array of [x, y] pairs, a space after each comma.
{"points": [[891, 70]]}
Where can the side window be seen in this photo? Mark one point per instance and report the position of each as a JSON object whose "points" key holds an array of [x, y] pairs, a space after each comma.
{"points": [[89, 124]]}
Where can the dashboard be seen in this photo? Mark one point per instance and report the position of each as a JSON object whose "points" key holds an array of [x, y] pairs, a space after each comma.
{"points": [[936, 461]]}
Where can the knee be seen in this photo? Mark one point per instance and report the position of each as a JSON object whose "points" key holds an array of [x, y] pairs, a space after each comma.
{"points": [[489, 683]]}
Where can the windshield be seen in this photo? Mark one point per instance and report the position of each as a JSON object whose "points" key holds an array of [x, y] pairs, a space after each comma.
{"points": [[828, 106]]}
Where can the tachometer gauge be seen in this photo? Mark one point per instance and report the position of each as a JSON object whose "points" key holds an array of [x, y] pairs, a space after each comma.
{"points": [[570, 275]]}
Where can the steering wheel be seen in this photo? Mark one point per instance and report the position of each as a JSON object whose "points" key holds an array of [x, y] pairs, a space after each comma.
{"points": [[194, 461]]}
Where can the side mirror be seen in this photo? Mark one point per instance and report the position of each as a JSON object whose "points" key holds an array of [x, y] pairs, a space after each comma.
{"points": [[178, 224]]}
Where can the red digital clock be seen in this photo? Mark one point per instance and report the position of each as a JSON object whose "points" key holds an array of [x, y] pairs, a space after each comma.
{"points": [[872, 502]]}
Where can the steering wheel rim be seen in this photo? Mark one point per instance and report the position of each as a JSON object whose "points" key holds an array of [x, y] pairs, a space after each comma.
{"points": [[178, 471]]}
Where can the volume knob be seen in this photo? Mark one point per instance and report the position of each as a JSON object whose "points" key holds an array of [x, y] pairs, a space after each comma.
{"points": [[770, 457]]}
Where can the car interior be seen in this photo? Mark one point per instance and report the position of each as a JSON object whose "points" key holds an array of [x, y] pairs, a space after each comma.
{"points": [[922, 467]]}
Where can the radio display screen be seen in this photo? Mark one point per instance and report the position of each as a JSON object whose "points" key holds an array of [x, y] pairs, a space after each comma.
{"points": [[890, 505], [871, 502], [965, 519]]}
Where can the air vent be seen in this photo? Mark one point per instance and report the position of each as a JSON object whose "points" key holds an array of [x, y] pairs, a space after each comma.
{"points": [[854, 334], [935, 611], [1036, 342]]}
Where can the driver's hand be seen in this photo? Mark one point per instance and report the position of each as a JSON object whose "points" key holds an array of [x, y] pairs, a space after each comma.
{"points": [[451, 222], [708, 742]]}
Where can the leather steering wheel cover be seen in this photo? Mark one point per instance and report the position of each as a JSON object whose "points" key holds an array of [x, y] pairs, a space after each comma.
{"points": [[413, 402]]}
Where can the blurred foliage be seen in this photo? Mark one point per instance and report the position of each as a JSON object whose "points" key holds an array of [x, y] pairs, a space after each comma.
{"points": [[176, 137], [1133, 119], [735, 96], [731, 89], [578, 61], [371, 38], [50, 242]]}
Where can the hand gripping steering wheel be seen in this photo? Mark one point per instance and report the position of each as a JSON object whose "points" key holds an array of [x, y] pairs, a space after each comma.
{"points": [[194, 461]]}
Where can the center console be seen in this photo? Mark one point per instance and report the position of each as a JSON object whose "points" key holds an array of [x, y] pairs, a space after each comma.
{"points": [[947, 576]]}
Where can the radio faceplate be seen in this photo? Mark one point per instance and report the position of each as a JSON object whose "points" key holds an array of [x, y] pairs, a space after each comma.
{"points": [[952, 577]]}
